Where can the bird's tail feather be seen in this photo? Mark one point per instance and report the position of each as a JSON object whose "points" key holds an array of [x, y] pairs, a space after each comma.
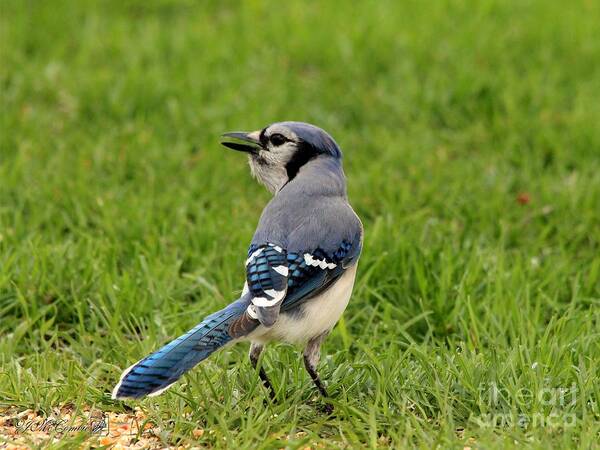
{"points": [[158, 371]]}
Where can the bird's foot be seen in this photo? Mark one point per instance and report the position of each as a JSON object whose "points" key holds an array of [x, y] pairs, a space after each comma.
{"points": [[327, 409]]}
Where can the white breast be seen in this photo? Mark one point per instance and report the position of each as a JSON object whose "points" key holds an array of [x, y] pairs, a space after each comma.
{"points": [[320, 314]]}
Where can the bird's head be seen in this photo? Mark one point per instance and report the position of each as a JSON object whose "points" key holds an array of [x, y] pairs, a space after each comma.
{"points": [[277, 152]]}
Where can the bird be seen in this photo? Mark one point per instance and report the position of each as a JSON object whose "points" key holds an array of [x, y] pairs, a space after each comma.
{"points": [[299, 270]]}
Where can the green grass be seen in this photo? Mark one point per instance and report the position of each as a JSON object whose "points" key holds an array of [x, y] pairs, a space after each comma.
{"points": [[123, 222]]}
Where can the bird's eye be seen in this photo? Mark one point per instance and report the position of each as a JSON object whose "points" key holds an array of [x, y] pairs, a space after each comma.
{"points": [[277, 139]]}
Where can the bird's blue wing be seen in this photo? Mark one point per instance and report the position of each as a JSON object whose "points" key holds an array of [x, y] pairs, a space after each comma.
{"points": [[267, 279], [313, 272], [281, 280]]}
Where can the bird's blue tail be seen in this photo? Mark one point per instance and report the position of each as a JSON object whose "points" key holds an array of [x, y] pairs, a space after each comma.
{"points": [[158, 371]]}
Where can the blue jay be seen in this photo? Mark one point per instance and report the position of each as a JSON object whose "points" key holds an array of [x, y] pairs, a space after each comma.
{"points": [[300, 267]]}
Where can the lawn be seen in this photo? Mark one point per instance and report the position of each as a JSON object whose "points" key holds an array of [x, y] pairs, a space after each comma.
{"points": [[471, 139]]}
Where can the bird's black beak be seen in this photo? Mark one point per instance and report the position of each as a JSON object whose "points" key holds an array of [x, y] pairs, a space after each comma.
{"points": [[252, 138]]}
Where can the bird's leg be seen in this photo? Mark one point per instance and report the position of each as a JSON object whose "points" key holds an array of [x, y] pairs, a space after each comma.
{"points": [[312, 354], [255, 351]]}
